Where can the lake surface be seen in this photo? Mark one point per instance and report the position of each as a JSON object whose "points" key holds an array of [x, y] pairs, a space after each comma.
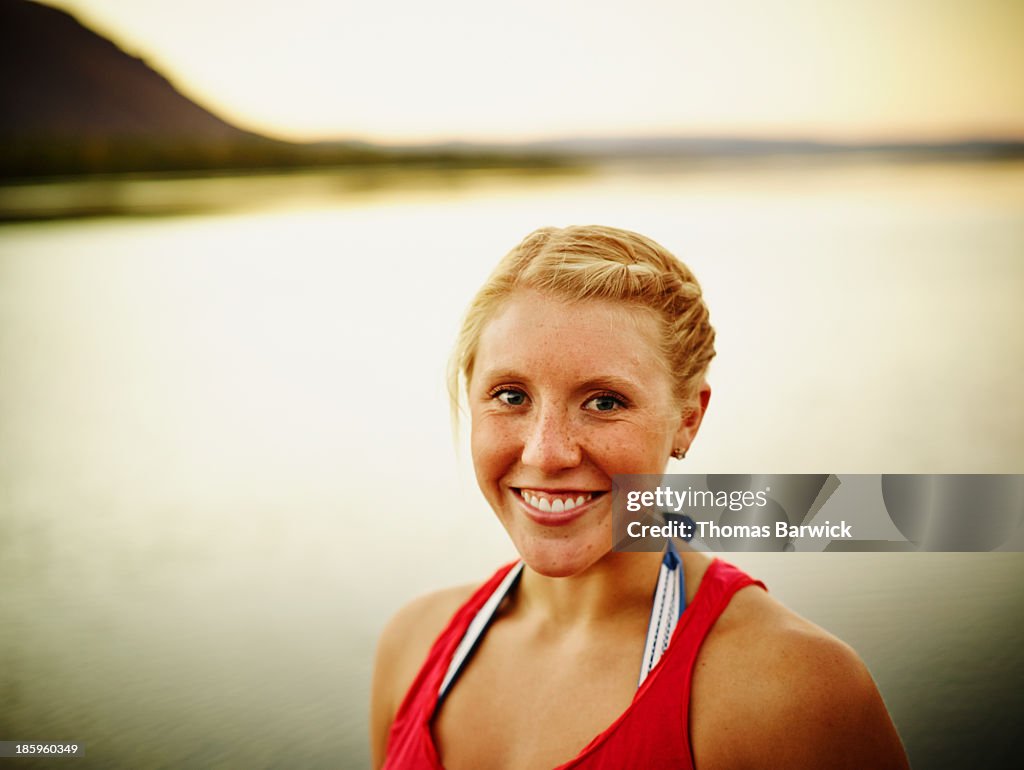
{"points": [[225, 456]]}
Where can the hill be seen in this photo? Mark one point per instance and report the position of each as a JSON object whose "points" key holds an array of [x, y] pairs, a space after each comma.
{"points": [[74, 103], [63, 81]]}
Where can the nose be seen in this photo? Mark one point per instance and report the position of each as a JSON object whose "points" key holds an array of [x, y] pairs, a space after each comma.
{"points": [[551, 444]]}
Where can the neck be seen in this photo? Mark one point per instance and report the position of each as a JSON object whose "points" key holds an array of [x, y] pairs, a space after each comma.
{"points": [[619, 583]]}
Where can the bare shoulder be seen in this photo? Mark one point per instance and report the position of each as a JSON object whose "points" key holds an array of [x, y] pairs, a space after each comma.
{"points": [[785, 693], [408, 636], [401, 649]]}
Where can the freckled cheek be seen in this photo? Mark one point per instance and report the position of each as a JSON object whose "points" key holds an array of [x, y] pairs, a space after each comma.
{"points": [[626, 451], [495, 448]]}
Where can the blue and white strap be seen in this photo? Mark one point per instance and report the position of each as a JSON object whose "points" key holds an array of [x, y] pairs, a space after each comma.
{"points": [[668, 606]]}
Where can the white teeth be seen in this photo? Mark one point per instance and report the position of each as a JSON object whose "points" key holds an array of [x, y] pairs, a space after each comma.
{"points": [[555, 505]]}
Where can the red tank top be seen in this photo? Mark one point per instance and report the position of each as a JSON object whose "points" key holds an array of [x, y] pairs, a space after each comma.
{"points": [[653, 733]]}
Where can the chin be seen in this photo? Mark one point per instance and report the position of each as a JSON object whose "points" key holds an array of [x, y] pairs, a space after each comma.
{"points": [[563, 558]]}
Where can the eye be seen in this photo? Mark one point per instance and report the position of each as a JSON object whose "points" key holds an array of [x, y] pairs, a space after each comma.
{"points": [[509, 396], [605, 402]]}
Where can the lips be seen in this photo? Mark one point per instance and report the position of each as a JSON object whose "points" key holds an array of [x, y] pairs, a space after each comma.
{"points": [[554, 508]]}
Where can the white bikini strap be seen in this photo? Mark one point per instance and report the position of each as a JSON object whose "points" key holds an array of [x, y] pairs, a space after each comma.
{"points": [[476, 629]]}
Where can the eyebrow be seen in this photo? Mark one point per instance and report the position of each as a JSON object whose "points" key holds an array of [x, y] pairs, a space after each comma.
{"points": [[609, 382]]}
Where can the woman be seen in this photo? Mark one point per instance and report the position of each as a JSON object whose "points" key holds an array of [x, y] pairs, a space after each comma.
{"points": [[584, 356]]}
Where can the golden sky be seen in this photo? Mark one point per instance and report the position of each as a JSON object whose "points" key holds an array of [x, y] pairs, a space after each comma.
{"points": [[468, 69]]}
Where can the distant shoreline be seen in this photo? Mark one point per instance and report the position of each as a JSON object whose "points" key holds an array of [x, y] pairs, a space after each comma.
{"points": [[218, 190], [42, 159]]}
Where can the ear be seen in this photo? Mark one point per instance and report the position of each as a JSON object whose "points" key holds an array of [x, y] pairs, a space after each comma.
{"points": [[693, 415]]}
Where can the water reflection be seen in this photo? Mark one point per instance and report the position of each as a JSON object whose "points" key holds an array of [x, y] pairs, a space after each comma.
{"points": [[177, 195]]}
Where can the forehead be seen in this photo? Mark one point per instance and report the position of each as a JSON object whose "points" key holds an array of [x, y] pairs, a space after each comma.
{"points": [[534, 334]]}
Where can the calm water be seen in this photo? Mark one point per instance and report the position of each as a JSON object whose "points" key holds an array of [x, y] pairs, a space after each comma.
{"points": [[225, 455]]}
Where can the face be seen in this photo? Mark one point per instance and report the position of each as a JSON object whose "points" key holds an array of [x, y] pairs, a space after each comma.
{"points": [[563, 396]]}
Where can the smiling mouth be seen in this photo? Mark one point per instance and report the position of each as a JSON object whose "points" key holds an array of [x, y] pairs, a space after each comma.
{"points": [[555, 502]]}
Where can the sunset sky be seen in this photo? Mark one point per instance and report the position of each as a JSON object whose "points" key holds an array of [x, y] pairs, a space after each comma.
{"points": [[466, 69]]}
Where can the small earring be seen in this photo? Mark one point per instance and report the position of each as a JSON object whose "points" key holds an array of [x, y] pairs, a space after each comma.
{"points": [[679, 454]]}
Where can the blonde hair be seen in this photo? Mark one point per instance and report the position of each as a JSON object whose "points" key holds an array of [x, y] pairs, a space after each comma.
{"points": [[594, 262]]}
